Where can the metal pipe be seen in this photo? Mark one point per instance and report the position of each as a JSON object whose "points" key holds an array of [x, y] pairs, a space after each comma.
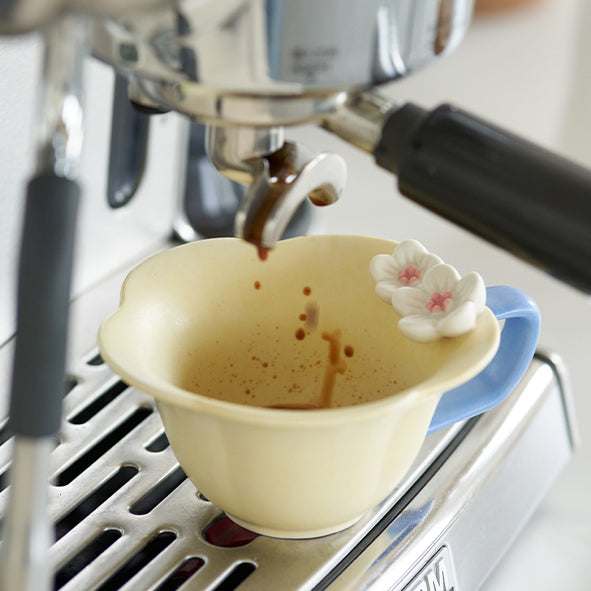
{"points": [[359, 121], [27, 534], [44, 278], [60, 103]]}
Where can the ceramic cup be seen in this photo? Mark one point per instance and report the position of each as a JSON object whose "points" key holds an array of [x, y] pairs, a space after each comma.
{"points": [[219, 337]]}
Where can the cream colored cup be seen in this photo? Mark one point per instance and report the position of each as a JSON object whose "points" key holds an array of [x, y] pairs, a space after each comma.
{"points": [[212, 333]]}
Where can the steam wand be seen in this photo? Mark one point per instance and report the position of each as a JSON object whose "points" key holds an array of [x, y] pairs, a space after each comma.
{"points": [[42, 309]]}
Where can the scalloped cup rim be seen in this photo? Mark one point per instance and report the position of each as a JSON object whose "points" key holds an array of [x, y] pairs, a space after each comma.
{"points": [[113, 352]]}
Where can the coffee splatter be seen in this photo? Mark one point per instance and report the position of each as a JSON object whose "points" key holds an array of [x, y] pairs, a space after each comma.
{"points": [[257, 285], [349, 351], [300, 334], [263, 253], [307, 290]]}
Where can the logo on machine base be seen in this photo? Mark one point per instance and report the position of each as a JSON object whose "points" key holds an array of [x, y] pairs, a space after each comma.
{"points": [[437, 575]]}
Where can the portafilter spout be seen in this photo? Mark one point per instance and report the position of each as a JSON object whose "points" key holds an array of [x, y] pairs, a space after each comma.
{"points": [[281, 175]]}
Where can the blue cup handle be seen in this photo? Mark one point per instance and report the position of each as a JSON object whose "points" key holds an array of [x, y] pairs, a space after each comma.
{"points": [[497, 380]]}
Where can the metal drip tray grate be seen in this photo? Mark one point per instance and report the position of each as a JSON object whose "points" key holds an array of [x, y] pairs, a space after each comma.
{"points": [[126, 516]]}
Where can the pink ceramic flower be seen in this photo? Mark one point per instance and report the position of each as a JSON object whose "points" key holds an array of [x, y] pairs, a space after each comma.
{"points": [[445, 305], [406, 266]]}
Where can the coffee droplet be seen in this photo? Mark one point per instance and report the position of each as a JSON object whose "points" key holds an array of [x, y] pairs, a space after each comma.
{"points": [[257, 285], [263, 253], [303, 317], [300, 334], [307, 290], [349, 351], [311, 313]]}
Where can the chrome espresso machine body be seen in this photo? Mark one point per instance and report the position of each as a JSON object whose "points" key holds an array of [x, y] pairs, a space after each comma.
{"points": [[249, 69]]}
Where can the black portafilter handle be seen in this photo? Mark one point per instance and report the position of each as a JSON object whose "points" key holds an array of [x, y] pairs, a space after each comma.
{"points": [[517, 195], [44, 277]]}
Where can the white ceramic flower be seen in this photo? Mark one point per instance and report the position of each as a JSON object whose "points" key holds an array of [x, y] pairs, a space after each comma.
{"points": [[406, 266], [446, 305]]}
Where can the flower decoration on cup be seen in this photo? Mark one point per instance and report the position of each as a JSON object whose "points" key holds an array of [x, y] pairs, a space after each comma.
{"points": [[406, 266], [439, 303]]}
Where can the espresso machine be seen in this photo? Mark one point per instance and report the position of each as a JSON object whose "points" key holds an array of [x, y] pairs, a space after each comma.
{"points": [[243, 72]]}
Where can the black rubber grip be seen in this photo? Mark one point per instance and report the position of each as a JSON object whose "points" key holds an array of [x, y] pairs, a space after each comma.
{"points": [[42, 306], [511, 192]]}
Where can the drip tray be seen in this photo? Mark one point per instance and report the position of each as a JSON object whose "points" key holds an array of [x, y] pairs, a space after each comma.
{"points": [[127, 517]]}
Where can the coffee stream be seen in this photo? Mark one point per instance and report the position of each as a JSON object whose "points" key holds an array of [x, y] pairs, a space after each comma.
{"points": [[281, 170]]}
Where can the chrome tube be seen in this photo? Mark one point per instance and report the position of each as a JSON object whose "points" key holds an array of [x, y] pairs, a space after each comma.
{"points": [[60, 102], [27, 535]]}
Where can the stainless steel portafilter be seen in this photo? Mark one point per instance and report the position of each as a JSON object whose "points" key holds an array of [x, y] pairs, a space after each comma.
{"points": [[248, 68]]}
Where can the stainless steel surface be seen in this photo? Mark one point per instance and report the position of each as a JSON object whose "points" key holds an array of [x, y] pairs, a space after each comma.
{"points": [[276, 62], [22, 16], [247, 61], [24, 561], [438, 573], [117, 487], [360, 119], [60, 107], [250, 46], [232, 150], [137, 97]]}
